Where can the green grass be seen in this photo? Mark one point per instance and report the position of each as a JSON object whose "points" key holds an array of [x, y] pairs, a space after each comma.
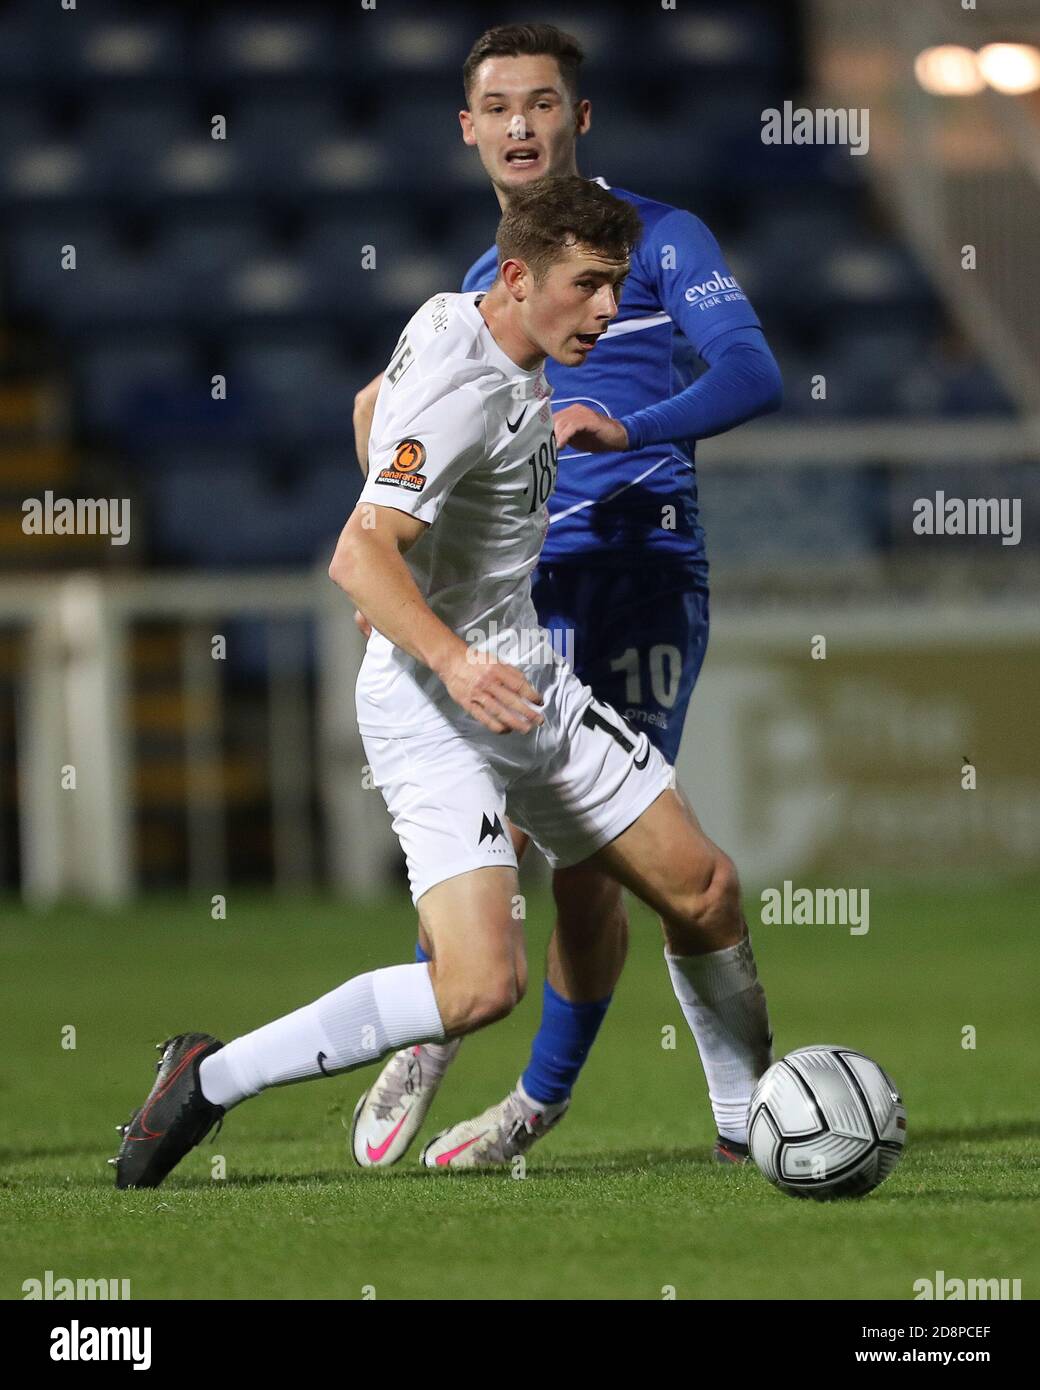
{"points": [[619, 1202]]}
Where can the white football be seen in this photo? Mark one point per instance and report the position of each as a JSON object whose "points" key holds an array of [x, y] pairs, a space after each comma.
{"points": [[826, 1122]]}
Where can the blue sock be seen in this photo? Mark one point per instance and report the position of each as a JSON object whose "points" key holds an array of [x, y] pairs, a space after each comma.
{"points": [[561, 1045], [420, 955]]}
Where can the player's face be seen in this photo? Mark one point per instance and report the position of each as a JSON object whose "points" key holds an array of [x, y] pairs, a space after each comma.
{"points": [[523, 121], [567, 311]]}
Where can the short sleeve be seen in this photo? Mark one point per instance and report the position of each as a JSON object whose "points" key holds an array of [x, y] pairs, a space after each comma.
{"points": [[696, 286], [422, 443]]}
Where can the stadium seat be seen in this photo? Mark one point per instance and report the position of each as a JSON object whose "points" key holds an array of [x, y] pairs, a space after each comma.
{"points": [[122, 47], [255, 514], [269, 47], [112, 372], [53, 171]]}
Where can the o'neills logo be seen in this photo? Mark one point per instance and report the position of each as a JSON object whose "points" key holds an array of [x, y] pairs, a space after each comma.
{"points": [[409, 457]]}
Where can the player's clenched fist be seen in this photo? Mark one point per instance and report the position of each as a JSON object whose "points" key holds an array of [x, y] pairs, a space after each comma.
{"points": [[583, 428], [493, 692]]}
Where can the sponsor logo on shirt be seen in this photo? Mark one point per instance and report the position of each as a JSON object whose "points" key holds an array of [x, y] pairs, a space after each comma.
{"points": [[409, 457], [718, 289], [491, 829]]}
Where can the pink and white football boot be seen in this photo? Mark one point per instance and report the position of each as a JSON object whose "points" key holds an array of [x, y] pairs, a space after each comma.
{"points": [[495, 1138], [390, 1113]]}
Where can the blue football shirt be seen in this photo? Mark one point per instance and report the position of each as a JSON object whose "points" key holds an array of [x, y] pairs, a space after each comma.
{"points": [[679, 296]]}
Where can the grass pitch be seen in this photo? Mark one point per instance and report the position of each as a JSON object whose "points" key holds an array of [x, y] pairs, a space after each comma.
{"points": [[620, 1202]]}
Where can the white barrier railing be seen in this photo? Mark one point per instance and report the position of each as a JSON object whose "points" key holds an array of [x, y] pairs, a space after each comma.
{"points": [[787, 757], [75, 735]]}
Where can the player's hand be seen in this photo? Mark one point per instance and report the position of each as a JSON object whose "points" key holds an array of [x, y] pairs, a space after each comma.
{"points": [[583, 428], [363, 625], [496, 694]]}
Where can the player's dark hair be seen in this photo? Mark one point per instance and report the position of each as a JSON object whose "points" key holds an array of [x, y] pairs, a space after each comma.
{"points": [[515, 40], [542, 219]]}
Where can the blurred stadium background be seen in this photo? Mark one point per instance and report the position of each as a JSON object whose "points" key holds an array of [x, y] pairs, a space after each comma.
{"points": [[242, 257]]}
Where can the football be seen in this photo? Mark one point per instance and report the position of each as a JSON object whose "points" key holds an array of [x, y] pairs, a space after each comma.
{"points": [[826, 1122]]}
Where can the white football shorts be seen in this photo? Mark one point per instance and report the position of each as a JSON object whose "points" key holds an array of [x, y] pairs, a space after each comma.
{"points": [[573, 784]]}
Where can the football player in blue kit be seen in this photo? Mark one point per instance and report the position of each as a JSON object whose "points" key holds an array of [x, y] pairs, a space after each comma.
{"points": [[623, 581]]}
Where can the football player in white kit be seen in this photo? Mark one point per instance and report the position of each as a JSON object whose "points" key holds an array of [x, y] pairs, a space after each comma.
{"points": [[465, 708]]}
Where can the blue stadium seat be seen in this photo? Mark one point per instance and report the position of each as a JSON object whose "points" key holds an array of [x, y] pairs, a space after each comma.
{"points": [[23, 120], [55, 171], [115, 290], [286, 124], [421, 136], [339, 168], [34, 252], [726, 38], [633, 151], [111, 373], [138, 130], [761, 515], [251, 515], [426, 42], [302, 386], [266, 288], [202, 170], [332, 248], [22, 54], [123, 47], [198, 250], [410, 281], [271, 47], [951, 382]]}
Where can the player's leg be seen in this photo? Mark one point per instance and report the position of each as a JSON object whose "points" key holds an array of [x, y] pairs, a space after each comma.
{"points": [[473, 981], [390, 1113], [449, 813], [585, 957], [424, 946], [439, 789], [665, 858], [587, 612], [638, 641]]}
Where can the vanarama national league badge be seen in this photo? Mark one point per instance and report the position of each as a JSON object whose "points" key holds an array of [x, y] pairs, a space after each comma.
{"points": [[409, 457]]}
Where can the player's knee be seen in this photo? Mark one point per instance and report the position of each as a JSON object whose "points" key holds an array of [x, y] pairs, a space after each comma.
{"points": [[469, 1006], [710, 907], [496, 1000]]}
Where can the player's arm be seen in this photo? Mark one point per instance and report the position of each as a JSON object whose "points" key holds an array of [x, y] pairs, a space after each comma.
{"points": [[369, 566], [742, 381], [364, 409]]}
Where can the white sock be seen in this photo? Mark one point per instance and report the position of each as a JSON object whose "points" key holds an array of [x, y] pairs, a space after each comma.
{"points": [[439, 1056], [725, 1006], [374, 1013], [547, 1109]]}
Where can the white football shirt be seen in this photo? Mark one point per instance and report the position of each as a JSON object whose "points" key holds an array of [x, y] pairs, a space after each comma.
{"points": [[461, 438]]}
